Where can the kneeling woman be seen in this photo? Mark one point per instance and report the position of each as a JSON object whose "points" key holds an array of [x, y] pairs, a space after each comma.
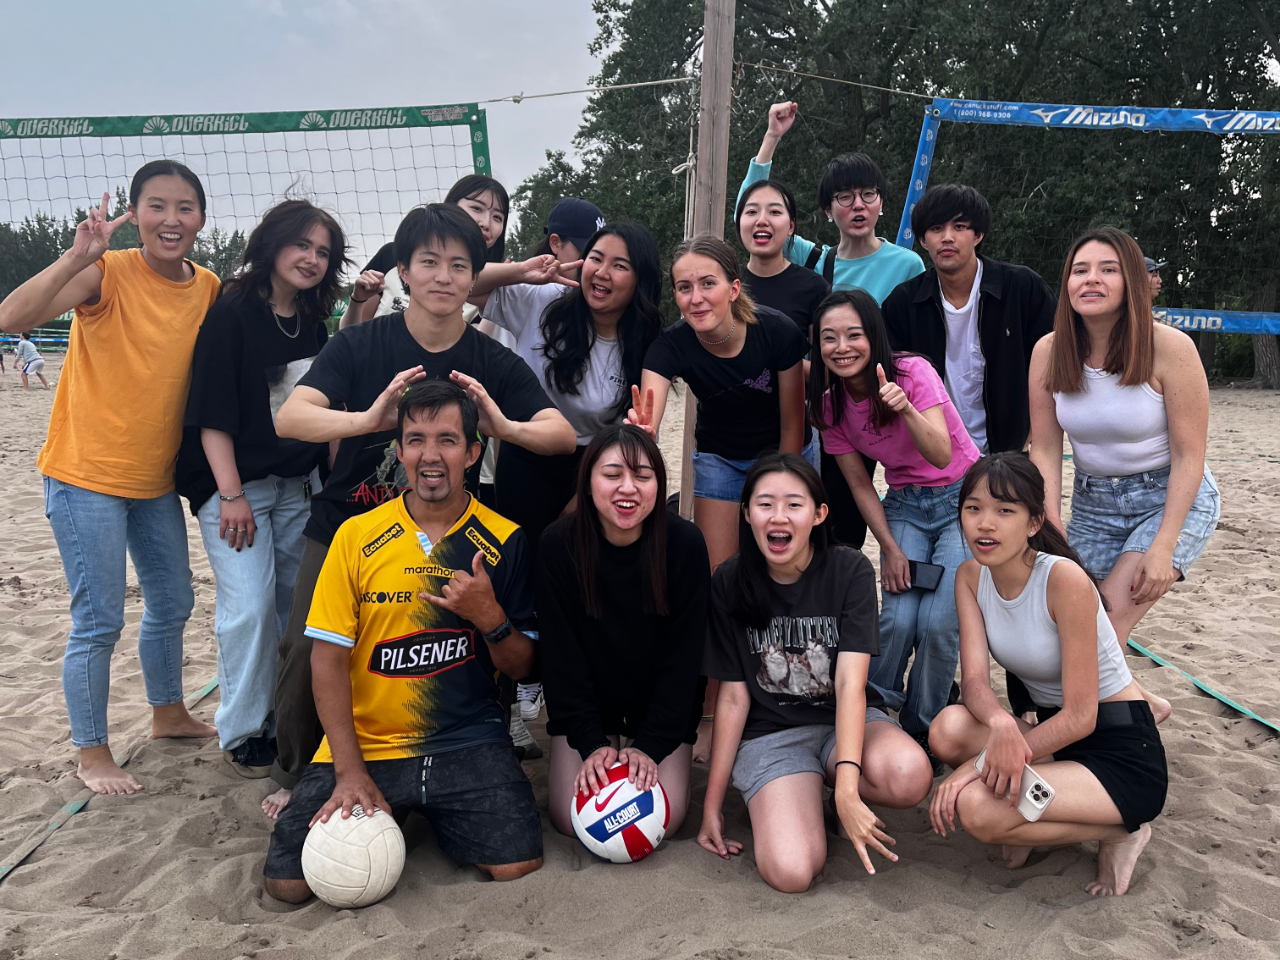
{"points": [[622, 610], [793, 629], [1025, 600]]}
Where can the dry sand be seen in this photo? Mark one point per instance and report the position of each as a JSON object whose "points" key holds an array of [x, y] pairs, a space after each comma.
{"points": [[175, 872]]}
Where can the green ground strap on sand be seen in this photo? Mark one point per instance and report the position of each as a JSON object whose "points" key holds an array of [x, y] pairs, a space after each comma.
{"points": [[69, 810], [1205, 687]]}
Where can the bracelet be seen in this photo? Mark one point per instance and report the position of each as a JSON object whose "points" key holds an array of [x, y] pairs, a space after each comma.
{"points": [[229, 499], [365, 300], [854, 762], [708, 718]]}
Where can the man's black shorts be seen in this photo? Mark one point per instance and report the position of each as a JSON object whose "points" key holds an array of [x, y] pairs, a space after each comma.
{"points": [[477, 799]]}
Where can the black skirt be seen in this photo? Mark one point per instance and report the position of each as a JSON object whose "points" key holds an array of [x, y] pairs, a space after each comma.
{"points": [[1125, 753]]}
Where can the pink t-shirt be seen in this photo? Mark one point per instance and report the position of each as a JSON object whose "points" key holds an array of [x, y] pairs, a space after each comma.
{"points": [[891, 445]]}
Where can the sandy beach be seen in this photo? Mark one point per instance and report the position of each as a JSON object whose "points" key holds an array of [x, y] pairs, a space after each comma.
{"points": [[175, 872]]}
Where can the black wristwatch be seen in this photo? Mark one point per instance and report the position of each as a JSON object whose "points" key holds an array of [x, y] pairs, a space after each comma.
{"points": [[499, 633]]}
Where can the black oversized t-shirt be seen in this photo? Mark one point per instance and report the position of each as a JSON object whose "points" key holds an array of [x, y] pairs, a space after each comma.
{"points": [[738, 404], [789, 666], [796, 291], [356, 366], [244, 367]]}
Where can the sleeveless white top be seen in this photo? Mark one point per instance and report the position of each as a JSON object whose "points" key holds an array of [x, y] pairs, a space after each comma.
{"points": [[1115, 431], [1023, 638]]}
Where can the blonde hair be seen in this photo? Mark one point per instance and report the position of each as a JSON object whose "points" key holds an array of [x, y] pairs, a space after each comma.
{"points": [[713, 248]]}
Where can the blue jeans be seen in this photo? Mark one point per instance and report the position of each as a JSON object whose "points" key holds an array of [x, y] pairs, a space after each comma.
{"points": [[925, 523], [93, 532], [255, 587], [719, 478]]}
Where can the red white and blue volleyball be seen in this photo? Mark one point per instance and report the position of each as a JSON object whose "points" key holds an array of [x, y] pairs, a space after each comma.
{"points": [[620, 823]]}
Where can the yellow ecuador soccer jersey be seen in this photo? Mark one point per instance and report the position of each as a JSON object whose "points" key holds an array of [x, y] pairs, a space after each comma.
{"points": [[422, 681]]}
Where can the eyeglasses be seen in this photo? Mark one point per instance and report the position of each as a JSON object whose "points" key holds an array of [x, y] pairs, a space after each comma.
{"points": [[868, 196]]}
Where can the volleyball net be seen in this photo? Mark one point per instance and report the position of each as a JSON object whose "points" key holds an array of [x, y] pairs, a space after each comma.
{"points": [[1189, 185]]}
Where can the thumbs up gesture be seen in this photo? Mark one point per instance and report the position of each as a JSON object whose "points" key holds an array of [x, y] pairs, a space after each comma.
{"points": [[891, 393]]}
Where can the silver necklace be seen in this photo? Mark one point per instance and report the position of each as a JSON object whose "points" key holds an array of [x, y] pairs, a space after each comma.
{"points": [[715, 343], [297, 327]]}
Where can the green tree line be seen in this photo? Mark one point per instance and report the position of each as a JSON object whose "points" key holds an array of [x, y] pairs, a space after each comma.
{"points": [[1206, 203]]}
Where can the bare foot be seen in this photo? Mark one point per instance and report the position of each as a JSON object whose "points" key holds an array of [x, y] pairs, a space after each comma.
{"points": [[1116, 860], [1015, 857], [276, 802], [1161, 708], [702, 749], [173, 720], [101, 774]]}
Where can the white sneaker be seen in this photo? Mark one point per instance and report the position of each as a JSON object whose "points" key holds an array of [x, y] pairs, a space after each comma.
{"points": [[531, 699], [526, 747]]}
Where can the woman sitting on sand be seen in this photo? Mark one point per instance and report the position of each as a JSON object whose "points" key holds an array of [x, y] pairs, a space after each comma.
{"points": [[1132, 397], [1026, 601], [792, 632], [622, 612]]}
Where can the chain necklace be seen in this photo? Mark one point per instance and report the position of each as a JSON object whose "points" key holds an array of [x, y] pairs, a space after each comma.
{"points": [[297, 327], [716, 343]]}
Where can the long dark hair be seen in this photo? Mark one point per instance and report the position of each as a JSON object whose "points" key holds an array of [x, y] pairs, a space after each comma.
{"points": [[283, 224], [636, 446], [569, 333], [752, 586], [820, 378], [164, 168], [788, 202], [469, 188], [1013, 478]]}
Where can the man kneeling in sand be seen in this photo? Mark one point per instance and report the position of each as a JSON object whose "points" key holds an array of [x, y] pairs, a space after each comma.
{"points": [[418, 603]]}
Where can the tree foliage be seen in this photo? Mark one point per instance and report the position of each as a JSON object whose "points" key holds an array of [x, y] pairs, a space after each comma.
{"points": [[1205, 202]]}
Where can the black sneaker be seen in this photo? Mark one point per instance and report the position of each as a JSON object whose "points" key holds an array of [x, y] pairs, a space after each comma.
{"points": [[253, 758], [923, 740]]}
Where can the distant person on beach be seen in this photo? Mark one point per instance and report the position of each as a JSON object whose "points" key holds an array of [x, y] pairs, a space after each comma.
{"points": [[419, 604], [249, 488], [350, 394], [1026, 602], [28, 361], [1153, 276], [1132, 397], [792, 630], [622, 615], [114, 433]]}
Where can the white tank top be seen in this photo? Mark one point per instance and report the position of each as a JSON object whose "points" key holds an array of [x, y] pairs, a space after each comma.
{"points": [[1023, 638], [1115, 431]]}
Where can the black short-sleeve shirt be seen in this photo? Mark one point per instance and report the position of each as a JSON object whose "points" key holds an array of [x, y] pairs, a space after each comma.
{"points": [[796, 291], [738, 403], [356, 366], [244, 367], [789, 666]]}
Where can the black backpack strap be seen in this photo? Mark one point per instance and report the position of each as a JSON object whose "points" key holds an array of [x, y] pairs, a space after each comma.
{"points": [[812, 260], [829, 267]]}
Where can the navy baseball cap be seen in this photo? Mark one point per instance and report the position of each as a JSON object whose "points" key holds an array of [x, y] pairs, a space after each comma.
{"points": [[1154, 265], [575, 220]]}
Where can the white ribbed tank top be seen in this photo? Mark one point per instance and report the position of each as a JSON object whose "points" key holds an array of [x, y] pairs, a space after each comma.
{"points": [[1024, 639], [1115, 431]]}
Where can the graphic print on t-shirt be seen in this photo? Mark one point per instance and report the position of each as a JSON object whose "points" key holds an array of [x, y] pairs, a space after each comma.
{"points": [[796, 657], [763, 383], [387, 482]]}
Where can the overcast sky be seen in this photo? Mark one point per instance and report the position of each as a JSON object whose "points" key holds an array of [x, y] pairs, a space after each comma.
{"points": [[129, 57]]}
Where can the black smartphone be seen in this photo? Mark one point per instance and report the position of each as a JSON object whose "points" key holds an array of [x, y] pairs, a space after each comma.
{"points": [[926, 576]]}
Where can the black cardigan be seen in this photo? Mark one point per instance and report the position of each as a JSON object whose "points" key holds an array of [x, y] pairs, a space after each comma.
{"points": [[1015, 309], [630, 673]]}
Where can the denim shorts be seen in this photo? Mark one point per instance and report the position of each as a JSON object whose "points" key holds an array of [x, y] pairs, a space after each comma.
{"points": [[784, 752], [1115, 515], [478, 800], [719, 478]]}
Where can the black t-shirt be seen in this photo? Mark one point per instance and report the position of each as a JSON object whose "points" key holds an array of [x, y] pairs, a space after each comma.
{"points": [[385, 259], [790, 666], [796, 291], [356, 366], [244, 367], [738, 409], [631, 672]]}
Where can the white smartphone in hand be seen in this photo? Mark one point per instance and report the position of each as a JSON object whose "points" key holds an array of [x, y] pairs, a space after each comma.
{"points": [[1036, 793]]}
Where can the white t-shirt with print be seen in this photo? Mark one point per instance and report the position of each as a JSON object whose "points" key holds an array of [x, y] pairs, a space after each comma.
{"points": [[519, 309], [966, 366]]}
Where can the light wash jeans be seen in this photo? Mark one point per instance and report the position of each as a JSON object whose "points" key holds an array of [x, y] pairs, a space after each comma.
{"points": [[254, 588], [925, 522], [93, 532]]}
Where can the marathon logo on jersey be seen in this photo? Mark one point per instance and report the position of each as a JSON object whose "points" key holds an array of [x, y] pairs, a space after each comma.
{"points": [[489, 550], [422, 655], [388, 596], [430, 570], [387, 535]]}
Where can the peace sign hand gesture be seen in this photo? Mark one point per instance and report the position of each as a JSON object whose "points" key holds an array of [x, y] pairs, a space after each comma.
{"points": [[891, 393], [93, 234], [545, 268], [641, 414]]}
